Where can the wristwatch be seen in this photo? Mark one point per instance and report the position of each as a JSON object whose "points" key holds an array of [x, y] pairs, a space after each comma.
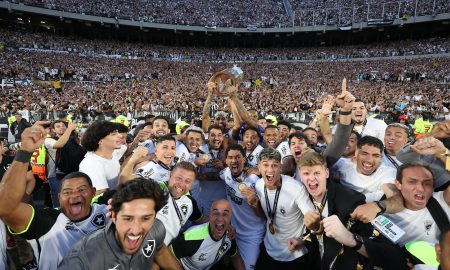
{"points": [[381, 205], [359, 241]]}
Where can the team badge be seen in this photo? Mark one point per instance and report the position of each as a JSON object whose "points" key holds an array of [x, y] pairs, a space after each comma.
{"points": [[184, 209], [99, 220], [148, 249]]}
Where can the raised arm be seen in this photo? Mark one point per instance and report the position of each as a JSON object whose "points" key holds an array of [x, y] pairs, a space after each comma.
{"points": [[206, 119], [243, 113], [127, 171], [65, 137], [344, 128], [13, 212]]}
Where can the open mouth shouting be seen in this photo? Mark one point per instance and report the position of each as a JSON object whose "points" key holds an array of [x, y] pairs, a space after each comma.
{"points": [[297, 154], [160, 133], [193, 147], [167, 159], [216, 144], [176, 191], [359, 117], [271, 143], [132, 242], [234, 168], [250, 145], [76, 208], [420, 200], [271, 180]]}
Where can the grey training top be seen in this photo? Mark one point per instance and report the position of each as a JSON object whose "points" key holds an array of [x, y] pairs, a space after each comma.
{"points": [[100, 250]]}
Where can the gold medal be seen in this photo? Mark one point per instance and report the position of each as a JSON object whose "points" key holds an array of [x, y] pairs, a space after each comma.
{"points": [[242, 186], [271, 228]]}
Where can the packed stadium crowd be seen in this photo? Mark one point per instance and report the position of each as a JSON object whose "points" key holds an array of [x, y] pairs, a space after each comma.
{"points": [[74, 45], [94, 85], [342, 13], [267, 13], [121, 155], [253, 193]]}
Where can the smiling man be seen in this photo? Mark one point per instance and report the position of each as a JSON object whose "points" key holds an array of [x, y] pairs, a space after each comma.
{"points": [[395, 138], [272, 138], [157, 169], [363, 124], [134, 238], [365, 172], [211, 190], [250, 228], [55, 230], [251, 145], [181, 206], [202, 246]]}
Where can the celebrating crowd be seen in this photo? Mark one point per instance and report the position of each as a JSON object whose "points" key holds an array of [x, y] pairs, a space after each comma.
{"points": [[253, 193], [96, 86], [267, 13], [24, 40], [168, 80]]}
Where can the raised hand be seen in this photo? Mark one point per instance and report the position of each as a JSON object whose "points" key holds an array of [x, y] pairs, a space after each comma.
{"points": [[327, 106], [441, 130], [139, 154], [345, 99], [429, 146], [33, 137]]}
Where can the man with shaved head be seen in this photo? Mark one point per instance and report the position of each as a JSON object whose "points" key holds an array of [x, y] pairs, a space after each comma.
{"points": [[202, 246]]}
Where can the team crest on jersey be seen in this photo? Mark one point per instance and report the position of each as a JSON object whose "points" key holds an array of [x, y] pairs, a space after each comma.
{"points": [[6, 167], [250, 157], [284, 150], [428, 224], [99, 220], [184, 209], [224, 247], [282, 211], [148, 249]]}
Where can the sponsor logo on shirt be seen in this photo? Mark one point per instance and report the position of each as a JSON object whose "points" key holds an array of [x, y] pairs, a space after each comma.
{"points": [[71, 227], [232, 194], [165, 210], [202, 257]]}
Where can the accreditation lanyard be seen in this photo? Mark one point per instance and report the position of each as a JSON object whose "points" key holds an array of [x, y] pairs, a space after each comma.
{"points": [[220, 251], [391, 159], [271, 212], [180, 217]]}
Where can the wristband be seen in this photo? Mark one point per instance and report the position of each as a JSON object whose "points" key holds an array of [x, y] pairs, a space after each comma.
{"points": [[359, 242], [23, 156], [345, 112], [381, 206]]}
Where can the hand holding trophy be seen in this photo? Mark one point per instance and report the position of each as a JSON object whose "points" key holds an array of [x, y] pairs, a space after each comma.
{"points": [[225, 82]]}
